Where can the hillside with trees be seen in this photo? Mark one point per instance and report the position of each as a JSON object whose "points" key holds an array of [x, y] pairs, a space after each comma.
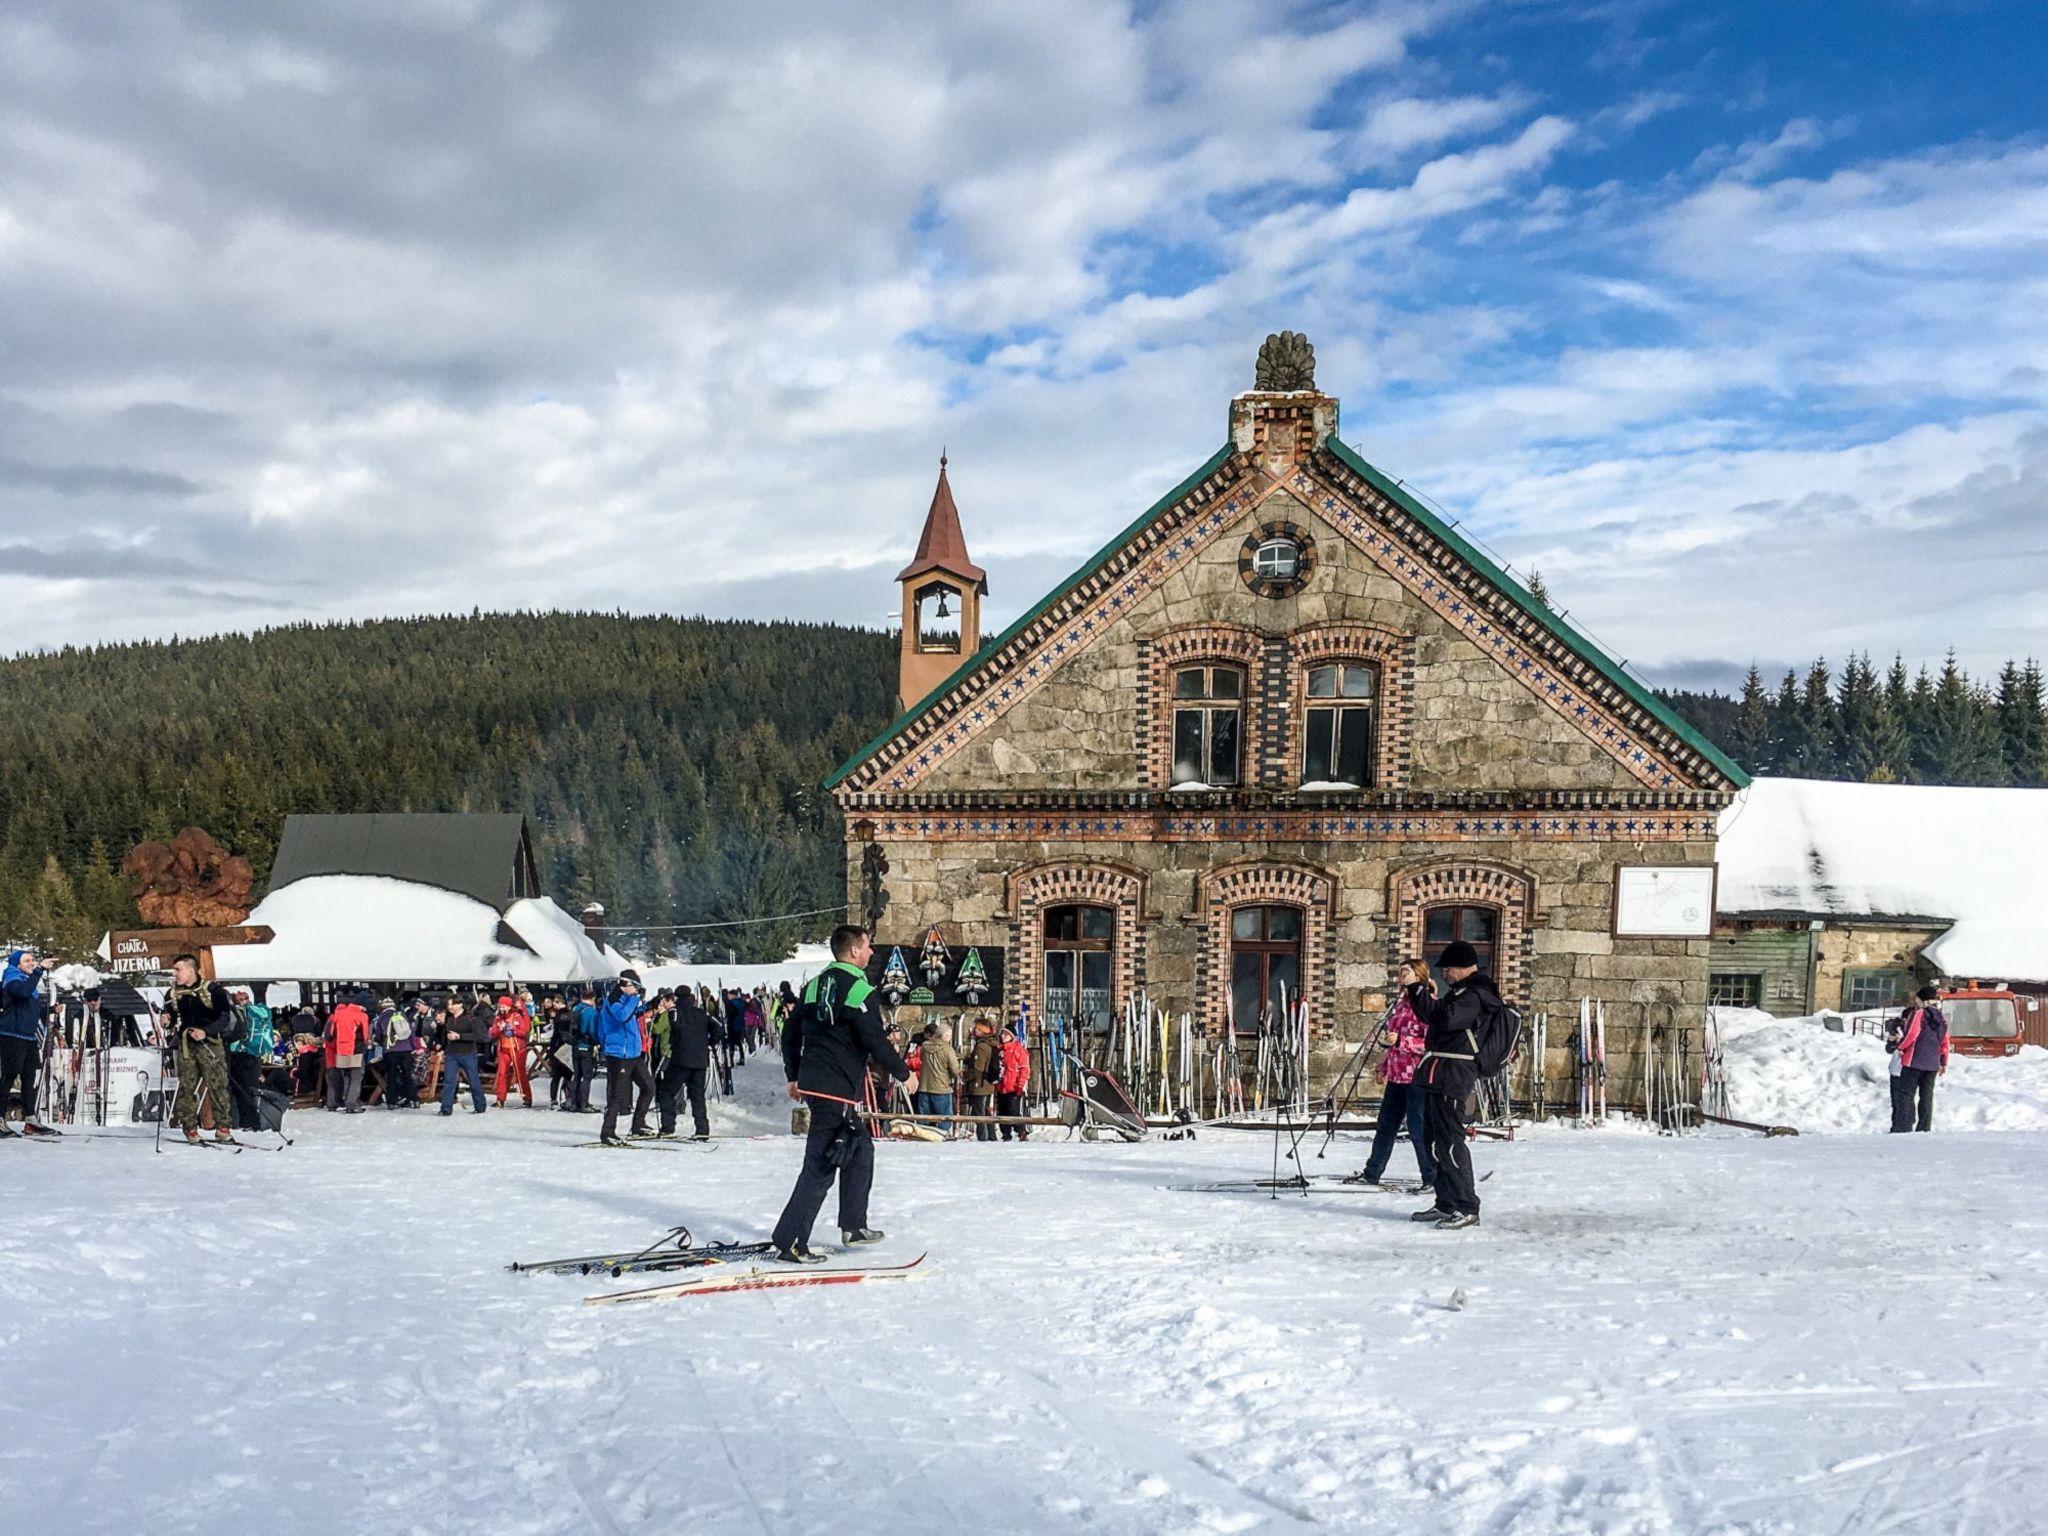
{"points": [[670, 767]]}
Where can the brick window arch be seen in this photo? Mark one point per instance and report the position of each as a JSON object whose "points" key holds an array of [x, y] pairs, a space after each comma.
{"points": [[1032, 891], [1221, 892], [1507, 891], [1391, 656], [1161, 656]]}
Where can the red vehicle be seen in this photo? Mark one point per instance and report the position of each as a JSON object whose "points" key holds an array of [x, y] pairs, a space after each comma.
{"points": [[1983, 1021]]}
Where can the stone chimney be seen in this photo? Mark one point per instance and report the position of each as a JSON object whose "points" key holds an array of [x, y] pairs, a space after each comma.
{"points": [[942, 593], [1283, 418]]}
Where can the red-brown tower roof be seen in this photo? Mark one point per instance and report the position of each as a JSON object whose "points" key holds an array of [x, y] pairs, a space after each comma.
{"points": [[942, 546]]}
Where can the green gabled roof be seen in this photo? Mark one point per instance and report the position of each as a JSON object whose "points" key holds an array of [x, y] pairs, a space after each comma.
{"points": [[1094, 563], [1568, 634]]}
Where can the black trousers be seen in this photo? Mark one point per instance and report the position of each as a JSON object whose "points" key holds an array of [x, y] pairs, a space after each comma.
{"points": [[981, 1104], [586, 1070], [839, 1147], [245, 1076], [1913, 1099], [618, 1076], [1013, 1104], [675, 1082], [19, 1060], [1456, 1190], [400, 1091]]}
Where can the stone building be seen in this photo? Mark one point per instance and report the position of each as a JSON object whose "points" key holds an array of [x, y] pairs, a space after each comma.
{"points": [[1282, 730], [1850, 896]]}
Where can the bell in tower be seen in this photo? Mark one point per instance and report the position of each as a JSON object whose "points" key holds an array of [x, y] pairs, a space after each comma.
{"points": [[942, 593]]}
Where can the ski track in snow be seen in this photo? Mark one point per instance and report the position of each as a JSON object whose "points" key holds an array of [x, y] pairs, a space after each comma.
{"points": [[1719, 1335]]}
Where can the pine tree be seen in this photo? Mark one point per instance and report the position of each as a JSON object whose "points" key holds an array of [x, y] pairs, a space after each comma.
{"points": [[1963, 741], [1750, 739], [1873, 747], [1785, 726], [1539, 590], [2021, 733]]}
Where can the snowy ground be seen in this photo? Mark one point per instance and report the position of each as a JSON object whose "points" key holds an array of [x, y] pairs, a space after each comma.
{"points": [[1718, 1334]]}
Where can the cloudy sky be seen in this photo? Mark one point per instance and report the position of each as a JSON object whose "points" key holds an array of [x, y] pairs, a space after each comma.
{"points": [[1733, 320]]}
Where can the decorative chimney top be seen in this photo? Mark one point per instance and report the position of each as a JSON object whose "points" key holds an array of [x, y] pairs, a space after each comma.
{"points": [[1283, 418], [1286, 363]]}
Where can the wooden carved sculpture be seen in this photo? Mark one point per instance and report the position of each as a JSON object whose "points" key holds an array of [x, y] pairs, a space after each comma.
{"points": [[189, 882]]}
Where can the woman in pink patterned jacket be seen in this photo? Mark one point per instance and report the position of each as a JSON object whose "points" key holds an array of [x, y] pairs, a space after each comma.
{"points": [[1396, 1072]]}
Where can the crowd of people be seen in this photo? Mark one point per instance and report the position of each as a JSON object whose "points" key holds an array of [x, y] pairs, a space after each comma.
{"points": [[232, 1050]]}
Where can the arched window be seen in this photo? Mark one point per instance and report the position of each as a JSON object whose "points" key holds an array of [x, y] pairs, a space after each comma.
{"points": [[1080, 964], [1477, 926], [1338, 724], [1265, 962], [1208, 726], [938, 619]]}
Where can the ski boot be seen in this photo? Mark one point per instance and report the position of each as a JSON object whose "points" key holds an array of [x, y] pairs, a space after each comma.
{"points": [[1435, 1213], [861, 1235], [1458, 1222], [796, 1253]]}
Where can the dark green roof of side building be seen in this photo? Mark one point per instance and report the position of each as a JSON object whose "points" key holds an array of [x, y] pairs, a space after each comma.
{"points": [[1567, 634], [486, 855]]}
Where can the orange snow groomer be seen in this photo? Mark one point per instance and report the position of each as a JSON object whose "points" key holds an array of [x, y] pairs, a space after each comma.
{"points": [[511, 1027]]}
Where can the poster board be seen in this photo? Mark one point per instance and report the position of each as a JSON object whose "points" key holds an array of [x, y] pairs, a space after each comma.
{"points": [[1664, 901]]}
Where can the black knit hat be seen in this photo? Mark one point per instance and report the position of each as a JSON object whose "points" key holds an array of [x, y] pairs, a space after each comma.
{"points": [[629, 974], [1457, 953], [1929, 994]]}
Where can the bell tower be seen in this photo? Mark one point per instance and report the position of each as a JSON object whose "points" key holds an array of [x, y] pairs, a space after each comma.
{"points": [[942, 593]]}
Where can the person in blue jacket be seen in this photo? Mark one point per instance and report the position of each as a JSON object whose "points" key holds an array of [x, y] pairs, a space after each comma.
{"points": [[625, 1056], [24, 1002]]}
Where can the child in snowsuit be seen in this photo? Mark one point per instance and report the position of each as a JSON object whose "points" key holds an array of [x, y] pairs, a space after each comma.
{"points": [[511, 1027], [1400, 1101]]}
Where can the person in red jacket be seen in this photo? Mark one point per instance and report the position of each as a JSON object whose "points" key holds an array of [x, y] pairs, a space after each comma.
{"points": [[511, 1028], [1016, 1082], [347, 1038]]}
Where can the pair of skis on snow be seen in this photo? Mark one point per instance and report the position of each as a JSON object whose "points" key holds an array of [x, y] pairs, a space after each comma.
{"points": [[1315, 1184], [717, 1269]]}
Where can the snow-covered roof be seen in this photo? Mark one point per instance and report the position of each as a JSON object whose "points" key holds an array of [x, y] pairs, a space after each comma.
{"points": [[373, 928], [1969, 858]]}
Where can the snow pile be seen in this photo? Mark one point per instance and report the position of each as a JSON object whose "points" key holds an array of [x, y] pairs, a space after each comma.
{"points": [[75, 978], [374, 928], [1965, 856], [1799, 1072]]}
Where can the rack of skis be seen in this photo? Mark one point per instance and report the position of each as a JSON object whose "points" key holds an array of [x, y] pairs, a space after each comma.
{"points": [[1174, 1068], [1649, 1060]]}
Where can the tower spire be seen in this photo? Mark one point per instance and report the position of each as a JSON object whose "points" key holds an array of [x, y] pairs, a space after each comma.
{"points": [[939, 583]]}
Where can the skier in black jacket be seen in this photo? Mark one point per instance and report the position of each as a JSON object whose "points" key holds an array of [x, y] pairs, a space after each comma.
{"points": [[689, 1059], [827, 1045], [1448, 1076]]}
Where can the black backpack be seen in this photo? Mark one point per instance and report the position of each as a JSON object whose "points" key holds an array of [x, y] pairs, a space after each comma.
{"points": [[1494, 1041]]}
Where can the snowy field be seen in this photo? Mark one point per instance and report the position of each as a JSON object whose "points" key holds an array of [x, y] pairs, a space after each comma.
{"points": [[1719, 1334]]}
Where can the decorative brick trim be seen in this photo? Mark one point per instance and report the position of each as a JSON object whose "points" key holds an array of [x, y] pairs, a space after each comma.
{"points": [[1361, 823], [1510, 892], [1029, 891], [1159, 656], [1221, 891], [1392, 655]]}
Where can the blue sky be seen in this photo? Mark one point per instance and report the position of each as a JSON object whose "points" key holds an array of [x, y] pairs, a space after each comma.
{"points": [[1729, 319]]}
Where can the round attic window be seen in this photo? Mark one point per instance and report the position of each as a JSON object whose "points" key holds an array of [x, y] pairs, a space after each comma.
{"points": [[1277, 560]]}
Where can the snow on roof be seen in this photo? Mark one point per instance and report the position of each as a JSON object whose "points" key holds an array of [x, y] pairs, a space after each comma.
{"points": [[373, 928], [1967, 857]]}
